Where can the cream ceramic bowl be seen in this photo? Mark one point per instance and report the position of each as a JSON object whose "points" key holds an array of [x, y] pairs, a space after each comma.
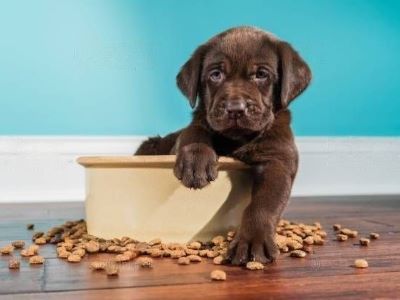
{"points": [[139, 197]]}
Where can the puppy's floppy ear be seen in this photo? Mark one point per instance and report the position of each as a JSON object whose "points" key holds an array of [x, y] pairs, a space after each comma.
{"points": [[295, 75], [188, 79]]}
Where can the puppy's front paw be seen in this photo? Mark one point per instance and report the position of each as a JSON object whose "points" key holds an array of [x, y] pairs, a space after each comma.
{"points": [[254, 242], [196, 165]]}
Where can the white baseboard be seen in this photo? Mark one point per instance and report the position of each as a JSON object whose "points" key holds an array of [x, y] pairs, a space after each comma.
{"points": [[43, 168]]}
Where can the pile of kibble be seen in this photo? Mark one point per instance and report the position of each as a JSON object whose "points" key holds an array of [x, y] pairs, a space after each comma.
{"points": [[73, 243]]}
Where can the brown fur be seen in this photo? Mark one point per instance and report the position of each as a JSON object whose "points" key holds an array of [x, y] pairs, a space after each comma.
{"points": [[242, 81]]}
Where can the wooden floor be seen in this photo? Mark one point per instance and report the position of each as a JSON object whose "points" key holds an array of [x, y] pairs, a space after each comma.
{"points": [[323, 275]]}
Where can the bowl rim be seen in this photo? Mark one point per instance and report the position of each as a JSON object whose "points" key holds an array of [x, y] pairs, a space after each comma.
{"points": [[150, 161]]}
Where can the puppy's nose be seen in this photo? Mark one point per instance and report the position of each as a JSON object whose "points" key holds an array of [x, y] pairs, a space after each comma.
{"points": [[235, 108]]}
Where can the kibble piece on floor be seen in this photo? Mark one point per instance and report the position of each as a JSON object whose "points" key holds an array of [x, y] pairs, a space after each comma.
{"points": [[308, 240], [337, 227], [37, 235], [92, 247], [212, 254], [7, 250], [112, 270], [145, 262], [218, 260], [254, 265], [349, 232], [156, 252], [360, 263], [364, 242], [98, 265], [74, 258], [184, 260], [298, 253], [194, 245], [155, 242], [194, 258], [177, 253], [13, 264], [30, 226], [293, 244], [80, 251], [374, 235], [63, 253], [342, 237], [191, 251], [353, 234], [27, 253], [122, 258], [40, 241], [218, 240], [218, 275], [37, 259], [18, 244]]}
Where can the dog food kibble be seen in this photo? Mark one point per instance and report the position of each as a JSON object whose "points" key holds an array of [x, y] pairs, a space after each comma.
{"points": [[360, 263], [30, 226], [155, 242], [342, 237], [7, 250], [18, 244], [74, 258], [92, 247], [177, 253], [37, 259], [374, 235], [80, 251], [219, 239], [40, 241], [63, 253], [298, 253], [254, 265], [156, 252], [98, 265], [13, 264], [37, 235], [112, 270], [194, 245], [73, 243], [32, 250], [337, 227], [212, 254], [218, 260], [308, 240], [145, 262], [218, 275], [349, 232], [184, 260], [194, 258], [122, 258], [364, 242]]}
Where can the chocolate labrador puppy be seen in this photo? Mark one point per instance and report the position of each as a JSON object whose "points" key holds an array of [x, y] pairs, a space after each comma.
{"points": [[240, 83]]}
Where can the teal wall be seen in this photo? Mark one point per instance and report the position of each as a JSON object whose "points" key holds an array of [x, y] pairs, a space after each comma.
{"points": [[108, 67]]}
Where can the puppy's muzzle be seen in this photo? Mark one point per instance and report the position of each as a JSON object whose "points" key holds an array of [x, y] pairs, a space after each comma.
{"points": [[235, 109]]}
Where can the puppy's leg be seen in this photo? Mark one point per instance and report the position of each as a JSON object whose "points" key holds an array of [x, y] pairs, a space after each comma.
{"points": [[158, 145], [256, 236], [196, 161]]}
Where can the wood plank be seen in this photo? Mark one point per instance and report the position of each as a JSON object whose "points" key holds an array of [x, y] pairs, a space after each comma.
{"points": [[325, 274]]}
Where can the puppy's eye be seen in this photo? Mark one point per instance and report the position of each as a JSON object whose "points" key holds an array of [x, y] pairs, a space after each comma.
{"points": [[262, 73], [216, 75]]}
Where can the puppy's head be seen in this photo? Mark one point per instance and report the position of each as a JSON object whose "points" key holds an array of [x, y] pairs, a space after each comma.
{"points": [[241, 78]]}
